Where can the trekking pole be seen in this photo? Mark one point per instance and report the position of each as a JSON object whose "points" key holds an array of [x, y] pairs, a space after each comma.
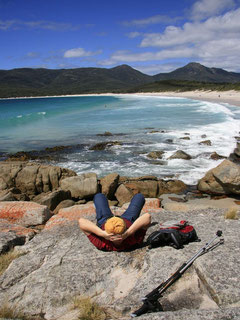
{"points": [[150, 301]]}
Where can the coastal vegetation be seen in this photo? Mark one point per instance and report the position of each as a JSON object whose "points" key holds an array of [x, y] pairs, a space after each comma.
{"points": [[88, 309], [6, 259], [122, 79], [185, 85], [231, 213]]}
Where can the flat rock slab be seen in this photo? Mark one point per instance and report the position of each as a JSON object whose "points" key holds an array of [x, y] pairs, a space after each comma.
{"points": [[60, 264], [24, 213], [13, 234]]}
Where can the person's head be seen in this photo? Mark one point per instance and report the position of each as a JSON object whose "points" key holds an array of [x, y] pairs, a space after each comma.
{"points": [[115, 225]]}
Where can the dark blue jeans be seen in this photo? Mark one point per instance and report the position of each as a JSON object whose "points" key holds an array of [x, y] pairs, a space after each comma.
{"points": [[103, 211]]}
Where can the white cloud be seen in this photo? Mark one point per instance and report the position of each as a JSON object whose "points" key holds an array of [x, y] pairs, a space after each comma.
{"points": [[5, 25], [151, 20], [134, 34], [224, 27], [79, 53], [214, 42], [126, 56], [206, 8], [42, 24], [153, 69]]}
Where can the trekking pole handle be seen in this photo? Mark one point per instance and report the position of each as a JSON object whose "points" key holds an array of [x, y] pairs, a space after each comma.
{"points": [[219, 233]]}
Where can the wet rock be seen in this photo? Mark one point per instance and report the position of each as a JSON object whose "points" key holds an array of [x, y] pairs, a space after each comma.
{"points": [[159, 162], [185, 138], [180, 155], [154, 131], [216, 156], [105, 134], [155, 154], [104, 145], [206, 142]]}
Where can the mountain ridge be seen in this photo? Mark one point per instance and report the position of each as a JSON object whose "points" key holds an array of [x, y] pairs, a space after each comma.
{"points": [[123, 78]]}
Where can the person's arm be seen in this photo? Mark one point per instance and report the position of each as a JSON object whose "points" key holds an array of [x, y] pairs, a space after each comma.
{"points": [[88, 227], [142, 222]]}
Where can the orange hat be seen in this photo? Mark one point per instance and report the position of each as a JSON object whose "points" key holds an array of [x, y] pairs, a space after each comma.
{"points": [[115, 225]]}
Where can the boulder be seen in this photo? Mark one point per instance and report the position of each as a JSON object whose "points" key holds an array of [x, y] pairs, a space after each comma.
{"points": [[70, 214], [216, 156], [24, 213], [82, 186], [123, 194], [155, 154], [105, 134], [171, 186], [64, 204], [206, 142], [8, 173], [109, 184], [104, 145], [224, 179], [237, 150], [180, 155], [31, 178], [12, 235], [52, 199], [60, 264], [149, 188], [13, 194]]}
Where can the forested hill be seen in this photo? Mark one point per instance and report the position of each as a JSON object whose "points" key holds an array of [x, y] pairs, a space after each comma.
{"points": [[42, 82]]}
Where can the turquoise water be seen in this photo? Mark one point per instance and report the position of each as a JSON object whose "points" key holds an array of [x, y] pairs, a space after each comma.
{"points": [[33, 124]]}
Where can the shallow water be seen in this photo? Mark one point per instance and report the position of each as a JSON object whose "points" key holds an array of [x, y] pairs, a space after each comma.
{"points": [[33, 124]]}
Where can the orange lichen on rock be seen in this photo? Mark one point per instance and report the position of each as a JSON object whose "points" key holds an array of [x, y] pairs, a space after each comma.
{"points": [[24, 213]]}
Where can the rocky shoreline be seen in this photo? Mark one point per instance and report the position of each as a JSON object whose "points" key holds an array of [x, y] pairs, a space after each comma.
{"points": [[39, 208]]}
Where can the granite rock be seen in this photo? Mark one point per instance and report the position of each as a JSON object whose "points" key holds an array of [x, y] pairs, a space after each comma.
{"points": [[24, 213], [60, 263]]}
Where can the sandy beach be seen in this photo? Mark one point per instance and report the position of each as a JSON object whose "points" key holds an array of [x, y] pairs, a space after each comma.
{"points": [[231, 97]]}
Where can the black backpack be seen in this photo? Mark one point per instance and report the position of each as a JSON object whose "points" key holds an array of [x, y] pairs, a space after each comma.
{"points": [[172, 233]]}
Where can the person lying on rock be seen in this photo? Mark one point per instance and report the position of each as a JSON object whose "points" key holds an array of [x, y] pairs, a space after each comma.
{"points": [[115, 233]]}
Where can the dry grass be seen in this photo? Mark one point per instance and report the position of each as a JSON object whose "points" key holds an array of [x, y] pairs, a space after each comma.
{"points": [[8, 312], [89, 310], [231, 213], [6, 259]]}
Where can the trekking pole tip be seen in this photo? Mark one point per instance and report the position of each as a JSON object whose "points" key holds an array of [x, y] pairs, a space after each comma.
{"points": [[219, 233]]}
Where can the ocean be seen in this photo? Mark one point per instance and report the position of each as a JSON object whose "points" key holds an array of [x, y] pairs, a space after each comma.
{"points": [[139, 123]]}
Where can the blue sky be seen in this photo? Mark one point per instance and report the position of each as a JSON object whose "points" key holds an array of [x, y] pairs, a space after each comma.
{"points": [[151, 36]]}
